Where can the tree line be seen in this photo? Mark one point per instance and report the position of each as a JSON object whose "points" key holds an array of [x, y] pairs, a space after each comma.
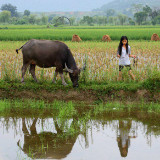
{"points": [[143, 15]]}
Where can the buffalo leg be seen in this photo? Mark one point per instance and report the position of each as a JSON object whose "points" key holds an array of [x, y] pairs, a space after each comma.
{"points": [[58, 129], [24, 68], [63, 81], [25, 132], [24, 128], [55, 75], [32, 71], [33, 127]]}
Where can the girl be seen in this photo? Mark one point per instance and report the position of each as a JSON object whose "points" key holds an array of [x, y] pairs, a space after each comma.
{"points": [[124, 52]]}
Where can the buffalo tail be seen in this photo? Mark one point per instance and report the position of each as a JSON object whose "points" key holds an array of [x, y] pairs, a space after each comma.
{"points": [[18, 49]]}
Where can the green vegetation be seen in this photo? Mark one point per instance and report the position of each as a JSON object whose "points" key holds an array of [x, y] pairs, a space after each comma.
{"points": [[65, 34], [149, 84], [69, 109], [120, 107]]}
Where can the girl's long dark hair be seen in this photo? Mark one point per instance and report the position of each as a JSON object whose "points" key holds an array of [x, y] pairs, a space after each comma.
{"points": [[121, 44]]}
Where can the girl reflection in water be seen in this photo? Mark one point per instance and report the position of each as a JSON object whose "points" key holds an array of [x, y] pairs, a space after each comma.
{"points": [[123, 138]]}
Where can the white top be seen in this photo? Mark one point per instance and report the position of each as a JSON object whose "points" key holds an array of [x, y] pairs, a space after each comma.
{"points": [[124, 134], [124, 59]]}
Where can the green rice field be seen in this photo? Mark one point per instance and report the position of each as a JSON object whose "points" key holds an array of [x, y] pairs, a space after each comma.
{"points": [[23, 33]]}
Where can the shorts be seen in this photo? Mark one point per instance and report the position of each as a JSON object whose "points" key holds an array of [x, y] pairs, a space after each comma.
{"points": [[127, 66]]}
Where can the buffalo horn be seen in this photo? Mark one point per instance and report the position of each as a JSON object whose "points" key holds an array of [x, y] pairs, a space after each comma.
{"points": [[68, 70]]}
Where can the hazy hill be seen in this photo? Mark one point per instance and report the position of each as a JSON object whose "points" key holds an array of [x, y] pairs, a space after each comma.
{"points": [[126, 5]]}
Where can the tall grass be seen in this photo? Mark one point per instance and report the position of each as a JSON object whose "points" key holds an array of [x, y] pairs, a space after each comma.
{"points": [[102, 63]]}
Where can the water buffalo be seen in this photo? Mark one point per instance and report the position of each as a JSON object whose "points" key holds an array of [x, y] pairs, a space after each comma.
{"points": [[46, 54]]}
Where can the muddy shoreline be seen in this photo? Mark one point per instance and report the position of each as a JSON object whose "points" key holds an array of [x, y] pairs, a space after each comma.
{"points": [[86, 96]]}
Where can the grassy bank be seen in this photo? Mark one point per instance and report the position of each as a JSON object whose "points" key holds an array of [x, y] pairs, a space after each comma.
{"points": [[89, 93], [151, 84]]}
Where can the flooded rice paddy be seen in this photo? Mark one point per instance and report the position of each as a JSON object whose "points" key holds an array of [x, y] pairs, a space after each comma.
{"points": [[78, 133]]}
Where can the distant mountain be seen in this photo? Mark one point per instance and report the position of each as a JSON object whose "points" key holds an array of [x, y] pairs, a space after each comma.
{"points": [[126, 5]]}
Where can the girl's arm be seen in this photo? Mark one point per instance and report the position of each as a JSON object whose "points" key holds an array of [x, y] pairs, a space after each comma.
{"points": [[133, 56]]}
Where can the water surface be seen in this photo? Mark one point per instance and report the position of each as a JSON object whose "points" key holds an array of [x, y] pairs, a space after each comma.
{"points": [[49, 136]]}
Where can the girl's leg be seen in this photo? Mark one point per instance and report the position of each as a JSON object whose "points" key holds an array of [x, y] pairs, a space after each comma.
{"points": [[131, 74], [120, 76]]}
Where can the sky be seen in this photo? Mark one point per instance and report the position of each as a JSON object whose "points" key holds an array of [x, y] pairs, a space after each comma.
{"points": [[55, 5]]}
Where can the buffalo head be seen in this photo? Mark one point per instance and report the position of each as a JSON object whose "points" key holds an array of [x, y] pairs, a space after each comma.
{"points": [[74, 74]]}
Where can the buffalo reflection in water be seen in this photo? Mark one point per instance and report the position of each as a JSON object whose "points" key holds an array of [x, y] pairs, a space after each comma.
{"points": [[47, 144]]}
